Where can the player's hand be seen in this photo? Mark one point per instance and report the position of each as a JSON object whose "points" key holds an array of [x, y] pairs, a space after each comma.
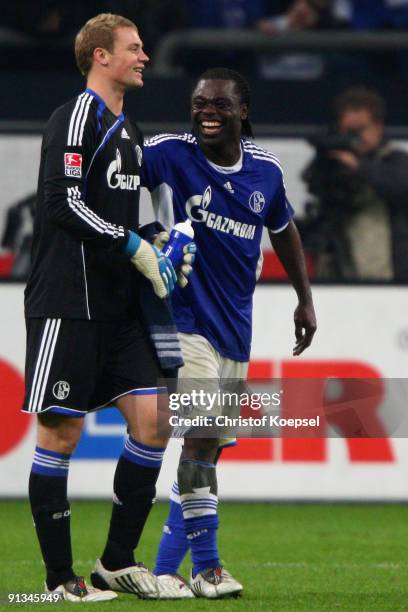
{"points": [[156, 267], [186, 267], [160, 239], [305, 326]]}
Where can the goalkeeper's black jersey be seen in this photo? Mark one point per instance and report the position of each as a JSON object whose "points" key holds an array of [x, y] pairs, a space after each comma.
{"points": [[88, 199]]}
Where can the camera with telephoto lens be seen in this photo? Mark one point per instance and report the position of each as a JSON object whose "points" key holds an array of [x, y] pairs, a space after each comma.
{"points": [[325, 176], [332, 188], [325, 142]]}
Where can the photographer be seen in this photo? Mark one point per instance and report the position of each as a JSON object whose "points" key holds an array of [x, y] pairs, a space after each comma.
{"points": [[358, 223]]}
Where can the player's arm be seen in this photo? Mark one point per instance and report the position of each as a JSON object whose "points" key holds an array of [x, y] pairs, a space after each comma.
{"points": [[67, 156], [68, 150], [153, 173], [288, 247]]}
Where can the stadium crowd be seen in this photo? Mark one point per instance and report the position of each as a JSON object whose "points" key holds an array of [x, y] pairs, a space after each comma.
{"points": [[48, 20]]}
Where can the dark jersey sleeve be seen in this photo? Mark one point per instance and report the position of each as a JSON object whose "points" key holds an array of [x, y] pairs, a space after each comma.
{"points": [[69, 148]]}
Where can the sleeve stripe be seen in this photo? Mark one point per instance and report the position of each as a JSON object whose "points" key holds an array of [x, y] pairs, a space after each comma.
{"points": [[264, 154], [259, 153], [272, 161], [93, 217], [78, 120], [251, 148], [73, 206], [76, 194], [76, 198], [158, 136], [81, 117], [279, 229], [81, 133], [71, 123], [79, 208], [156, 140]]}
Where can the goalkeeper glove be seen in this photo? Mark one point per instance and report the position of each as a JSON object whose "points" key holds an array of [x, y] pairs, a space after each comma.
{"points": [[189, 251], [152, 264]]}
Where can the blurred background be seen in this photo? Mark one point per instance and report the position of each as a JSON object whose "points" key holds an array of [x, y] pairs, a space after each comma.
{"points": [[329, 82]]}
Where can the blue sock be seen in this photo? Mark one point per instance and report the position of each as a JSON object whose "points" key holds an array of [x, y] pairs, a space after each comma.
{"points": [[174, 543], [202, 536], [199, 501]]}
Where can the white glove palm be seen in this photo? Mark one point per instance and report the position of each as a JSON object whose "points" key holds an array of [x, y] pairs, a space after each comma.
{"points": [[156, 267]]}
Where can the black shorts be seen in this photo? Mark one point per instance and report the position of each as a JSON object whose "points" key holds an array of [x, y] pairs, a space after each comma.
{"points": [[75, 366]]}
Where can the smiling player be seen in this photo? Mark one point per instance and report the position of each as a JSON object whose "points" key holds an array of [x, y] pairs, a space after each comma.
{"points": [[87, 343], [230, 189]]}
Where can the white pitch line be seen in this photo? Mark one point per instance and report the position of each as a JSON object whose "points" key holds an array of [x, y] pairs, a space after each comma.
{"points": [[299, 565], [274, 564]]}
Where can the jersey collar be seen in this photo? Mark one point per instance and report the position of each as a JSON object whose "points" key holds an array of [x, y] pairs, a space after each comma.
{"points": [[229, 169], [101, 108], [93, 93]]}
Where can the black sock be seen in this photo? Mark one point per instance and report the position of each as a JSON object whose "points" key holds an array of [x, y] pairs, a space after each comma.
{"points": [[51, 514], [134, 492]]}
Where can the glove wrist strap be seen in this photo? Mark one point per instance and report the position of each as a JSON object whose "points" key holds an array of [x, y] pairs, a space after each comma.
{"points": [[133, 243]]}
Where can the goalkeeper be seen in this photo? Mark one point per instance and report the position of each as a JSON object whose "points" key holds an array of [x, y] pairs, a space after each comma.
{"points": [[87, 343], [230, 188]]}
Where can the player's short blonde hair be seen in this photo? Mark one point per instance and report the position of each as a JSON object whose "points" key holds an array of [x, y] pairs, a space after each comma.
{"points": [[97, 32]]}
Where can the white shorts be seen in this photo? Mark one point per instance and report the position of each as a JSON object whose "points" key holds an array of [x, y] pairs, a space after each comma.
{"points": [[203, 361]]}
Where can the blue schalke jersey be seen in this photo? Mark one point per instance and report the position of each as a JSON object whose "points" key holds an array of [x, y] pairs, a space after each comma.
{"points": [[228, 208]]}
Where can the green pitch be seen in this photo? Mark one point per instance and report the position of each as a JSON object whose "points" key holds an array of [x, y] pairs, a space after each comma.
{"points": [[289, 557]]}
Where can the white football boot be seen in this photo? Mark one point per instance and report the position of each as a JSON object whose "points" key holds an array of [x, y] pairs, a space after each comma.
{"points": [[136, 579], [173, 586], [215, 583], [79, 591]]}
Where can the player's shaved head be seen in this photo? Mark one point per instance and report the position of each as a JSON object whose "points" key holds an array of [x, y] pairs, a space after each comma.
{"points": [[241, 85]]}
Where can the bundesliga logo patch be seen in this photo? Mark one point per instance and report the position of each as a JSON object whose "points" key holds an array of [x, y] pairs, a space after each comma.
{"points": [[73, 164]]}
